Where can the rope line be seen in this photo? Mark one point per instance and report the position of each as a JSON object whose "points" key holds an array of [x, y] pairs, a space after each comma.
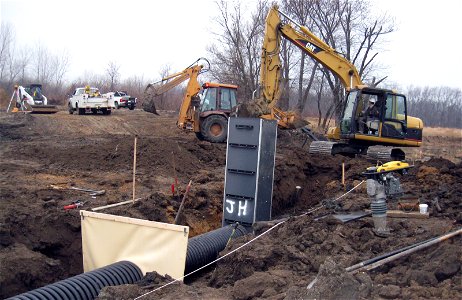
{"points": [[242, 246]]}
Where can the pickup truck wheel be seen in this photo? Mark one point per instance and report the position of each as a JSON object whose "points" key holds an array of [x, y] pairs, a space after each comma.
{"points": [[116, 104], [94, 111], [108, 112], [132, 107], [71, 110], [215, 129], [81, 111]]}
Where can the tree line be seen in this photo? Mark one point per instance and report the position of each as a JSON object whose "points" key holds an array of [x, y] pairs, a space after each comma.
{"points": [[349, 26]]}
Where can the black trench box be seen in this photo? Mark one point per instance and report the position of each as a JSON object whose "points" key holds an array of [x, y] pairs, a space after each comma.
{"points": [[250, 158]]}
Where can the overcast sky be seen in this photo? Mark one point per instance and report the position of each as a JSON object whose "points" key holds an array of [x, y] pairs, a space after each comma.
{"points": [[143, 36]]}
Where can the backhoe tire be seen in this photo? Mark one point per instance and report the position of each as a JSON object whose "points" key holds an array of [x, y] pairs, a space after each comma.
{"points": [[215, 129]]}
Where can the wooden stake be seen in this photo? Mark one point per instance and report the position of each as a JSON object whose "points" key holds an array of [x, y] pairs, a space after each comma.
{"points": [[343, 175], [180, 210], [134, 167]]}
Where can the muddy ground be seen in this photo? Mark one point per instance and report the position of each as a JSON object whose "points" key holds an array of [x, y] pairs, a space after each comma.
{"points": [[40, 242]]}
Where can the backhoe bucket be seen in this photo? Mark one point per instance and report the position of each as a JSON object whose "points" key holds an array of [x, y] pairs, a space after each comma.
{"points": [[149, 102], [44, 109]]}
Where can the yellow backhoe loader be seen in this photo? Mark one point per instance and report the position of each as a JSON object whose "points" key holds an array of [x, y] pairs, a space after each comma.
{"points": [[357, 133], [204, 109]]}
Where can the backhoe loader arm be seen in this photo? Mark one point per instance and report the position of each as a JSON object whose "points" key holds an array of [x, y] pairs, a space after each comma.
{"points": [[173, 80], [192, 89]]}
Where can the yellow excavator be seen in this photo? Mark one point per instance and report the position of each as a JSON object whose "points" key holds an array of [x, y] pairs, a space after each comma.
{"points": [[204, 109], [355, 134]]}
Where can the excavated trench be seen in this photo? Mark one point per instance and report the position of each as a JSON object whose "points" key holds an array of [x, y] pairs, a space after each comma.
{"points": [[40, 243]]}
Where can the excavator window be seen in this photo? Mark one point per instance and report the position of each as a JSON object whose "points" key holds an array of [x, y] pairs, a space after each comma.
{"points": [[395, 107], [395, 116], [347, 118]]}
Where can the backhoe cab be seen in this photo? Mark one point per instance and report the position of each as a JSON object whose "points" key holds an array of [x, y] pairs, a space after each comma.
{"points": [[217, 100]]}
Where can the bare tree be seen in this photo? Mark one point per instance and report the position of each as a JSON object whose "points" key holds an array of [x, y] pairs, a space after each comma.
{"points": [[436, 106], [24, 58], [60, 65], [6, 42], [112, 71], [235, 56]]}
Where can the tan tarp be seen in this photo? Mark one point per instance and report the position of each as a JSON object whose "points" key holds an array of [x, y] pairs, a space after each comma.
{"points": [[152, 246]]}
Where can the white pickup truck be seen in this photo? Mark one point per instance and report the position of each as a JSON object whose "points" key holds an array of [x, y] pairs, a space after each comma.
{"points": [[121, 99], [88, 99]]}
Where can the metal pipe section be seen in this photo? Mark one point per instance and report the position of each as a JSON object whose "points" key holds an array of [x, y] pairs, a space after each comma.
{"points": [[204, 248], [86, 286]]}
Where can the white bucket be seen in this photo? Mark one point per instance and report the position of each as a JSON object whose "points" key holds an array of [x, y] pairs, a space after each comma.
{"points": [[423, 208]]}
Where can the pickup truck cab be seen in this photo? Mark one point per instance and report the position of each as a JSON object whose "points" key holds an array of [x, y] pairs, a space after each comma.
{"points": [[88, 99], [121, 99]]}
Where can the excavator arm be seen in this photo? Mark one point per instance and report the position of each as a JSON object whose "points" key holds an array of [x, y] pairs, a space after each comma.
{"points": [[270, 69], [321, 52], [309, 44]]}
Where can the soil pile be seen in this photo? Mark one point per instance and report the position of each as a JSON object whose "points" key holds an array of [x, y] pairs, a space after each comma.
{"points": [[40, 243]]}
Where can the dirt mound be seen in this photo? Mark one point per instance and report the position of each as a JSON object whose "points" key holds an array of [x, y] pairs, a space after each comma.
{"points": [[40, 242]]}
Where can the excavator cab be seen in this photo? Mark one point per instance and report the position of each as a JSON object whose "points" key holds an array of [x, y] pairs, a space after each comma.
{"points": [[364, 132], [372, 113]]}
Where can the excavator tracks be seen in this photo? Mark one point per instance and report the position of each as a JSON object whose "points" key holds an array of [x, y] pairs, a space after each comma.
{"points": [[321, 147], [385, 154], [376, 153]]}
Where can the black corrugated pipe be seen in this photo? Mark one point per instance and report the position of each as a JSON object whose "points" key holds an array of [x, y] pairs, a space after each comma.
{"points": [[86, 285], [204, 248]]}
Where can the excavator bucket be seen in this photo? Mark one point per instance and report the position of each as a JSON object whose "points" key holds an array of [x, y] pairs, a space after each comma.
{"points": [[259, 109]]}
